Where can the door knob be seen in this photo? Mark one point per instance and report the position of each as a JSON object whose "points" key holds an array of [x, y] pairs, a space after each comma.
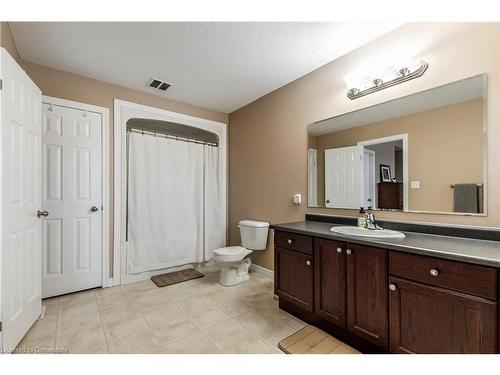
{"points": [[308, 262], [392, 287], [290, 241], [348, 251], [434, 272], [94, 209], [42, 213], [339, 250]]}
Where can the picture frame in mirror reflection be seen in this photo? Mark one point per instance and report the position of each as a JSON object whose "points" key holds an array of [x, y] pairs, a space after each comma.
{"points": [[405, 154], [385, 173]]}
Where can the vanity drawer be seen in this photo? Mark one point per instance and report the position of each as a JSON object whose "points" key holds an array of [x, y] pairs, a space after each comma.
{"points": [[293, 241], [464, 277]]}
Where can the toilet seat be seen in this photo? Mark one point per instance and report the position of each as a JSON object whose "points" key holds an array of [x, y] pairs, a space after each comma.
{"points": [[231, 253]]}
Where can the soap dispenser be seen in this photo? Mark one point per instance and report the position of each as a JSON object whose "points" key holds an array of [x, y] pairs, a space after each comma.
{"points": [[362, 218]]}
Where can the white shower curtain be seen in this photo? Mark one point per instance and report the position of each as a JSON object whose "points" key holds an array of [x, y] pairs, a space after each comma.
{"points": [[174, 203], [214, 216]]}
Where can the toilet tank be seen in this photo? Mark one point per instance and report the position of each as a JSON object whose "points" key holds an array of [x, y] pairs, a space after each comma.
{"points": [[253, 234]]}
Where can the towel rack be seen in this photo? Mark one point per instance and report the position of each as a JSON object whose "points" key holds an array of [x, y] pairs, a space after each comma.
{"points": [[453, 185]]}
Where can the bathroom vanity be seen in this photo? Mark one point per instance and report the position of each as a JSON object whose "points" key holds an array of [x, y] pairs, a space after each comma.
{"points": [[421, 294]]}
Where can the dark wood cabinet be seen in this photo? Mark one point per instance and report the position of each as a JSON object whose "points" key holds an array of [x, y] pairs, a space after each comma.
{"points": [[295, 277], [379, 300], [330, 281], [367, 276], [390, 195], [462, 277], [428, 319]]}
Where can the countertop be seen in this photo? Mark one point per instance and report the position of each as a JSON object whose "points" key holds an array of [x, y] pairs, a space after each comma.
{"points": [[482, 252]]}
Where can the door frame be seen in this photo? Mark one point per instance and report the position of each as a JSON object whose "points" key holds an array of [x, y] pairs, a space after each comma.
{"points": [[372, 182], [312, 177], [392, 138], [120, 127], [106, 279]]}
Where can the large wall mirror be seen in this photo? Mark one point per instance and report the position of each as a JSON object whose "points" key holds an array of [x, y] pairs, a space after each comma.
{"points": [[425, 152]]}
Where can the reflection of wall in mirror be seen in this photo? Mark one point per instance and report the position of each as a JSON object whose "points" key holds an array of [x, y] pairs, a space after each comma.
{"points": [[445, 146]]}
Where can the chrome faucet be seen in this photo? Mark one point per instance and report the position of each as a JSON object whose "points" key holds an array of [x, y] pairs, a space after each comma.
{"points": [[370, 222]]}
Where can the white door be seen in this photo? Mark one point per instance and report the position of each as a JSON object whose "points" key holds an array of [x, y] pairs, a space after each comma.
{"points": [[71, 194], [344, 177], [20, 190]]}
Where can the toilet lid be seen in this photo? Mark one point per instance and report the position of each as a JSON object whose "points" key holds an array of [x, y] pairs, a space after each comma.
{"points": [[231, 250]]}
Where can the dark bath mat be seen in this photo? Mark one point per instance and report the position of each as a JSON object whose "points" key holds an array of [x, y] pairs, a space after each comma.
{"points": [[166, 279]]}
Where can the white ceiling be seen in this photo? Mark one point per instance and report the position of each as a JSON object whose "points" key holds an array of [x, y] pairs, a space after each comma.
{"points": [[441, 96], [219, 66]]}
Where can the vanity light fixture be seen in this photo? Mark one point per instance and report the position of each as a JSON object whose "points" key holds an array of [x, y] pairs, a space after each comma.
{"points": [[392, 76]]}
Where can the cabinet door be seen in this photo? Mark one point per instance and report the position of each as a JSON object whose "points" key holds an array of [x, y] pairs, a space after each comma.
{"points": [[295, 277], [330, 281], [367, 305], [427, 319]]}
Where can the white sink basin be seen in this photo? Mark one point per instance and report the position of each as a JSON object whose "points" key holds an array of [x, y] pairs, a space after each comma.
{"points": [[362, 232]]}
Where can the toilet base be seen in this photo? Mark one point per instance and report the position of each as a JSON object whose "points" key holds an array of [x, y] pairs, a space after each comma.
{"points": [[232, 273]]}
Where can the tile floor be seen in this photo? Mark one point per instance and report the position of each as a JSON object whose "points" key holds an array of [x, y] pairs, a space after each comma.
{"points": [[197, 316]]}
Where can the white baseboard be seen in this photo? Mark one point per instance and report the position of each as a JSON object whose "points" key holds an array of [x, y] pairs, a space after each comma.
{"points": [[261, 270]]}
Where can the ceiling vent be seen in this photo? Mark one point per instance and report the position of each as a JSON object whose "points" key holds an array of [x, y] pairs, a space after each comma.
{"points": [[158, 84]]}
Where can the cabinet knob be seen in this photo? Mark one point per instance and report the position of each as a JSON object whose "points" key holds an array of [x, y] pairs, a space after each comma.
{"points": [[308, 262], [392, 287], [339, 250], [290, 241], [434, 272], [348, 251]]}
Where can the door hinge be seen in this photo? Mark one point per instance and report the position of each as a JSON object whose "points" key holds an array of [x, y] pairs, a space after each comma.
{"points": [[1, 84], [0, 326]]}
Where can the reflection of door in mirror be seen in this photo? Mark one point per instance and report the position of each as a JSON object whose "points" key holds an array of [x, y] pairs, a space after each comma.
{"points": [[343, 177], [312, 188]]}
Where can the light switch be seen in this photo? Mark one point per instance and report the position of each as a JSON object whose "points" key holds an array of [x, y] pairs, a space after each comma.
{"points": [[297, 199], [415, 184]]}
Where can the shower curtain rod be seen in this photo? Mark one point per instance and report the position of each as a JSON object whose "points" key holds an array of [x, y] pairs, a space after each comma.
{"points": [[168, 136]]}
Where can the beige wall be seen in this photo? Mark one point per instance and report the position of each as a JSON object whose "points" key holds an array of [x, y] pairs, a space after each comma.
{"points": [[70, 86], [7, 42], [268, 138], [445, 146]]}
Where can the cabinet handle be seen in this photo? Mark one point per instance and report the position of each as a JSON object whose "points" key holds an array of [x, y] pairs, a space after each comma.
{"points": [[290, 241], [348, 251], [434, 272], [339, 250], [308, 262], [392, 287]]}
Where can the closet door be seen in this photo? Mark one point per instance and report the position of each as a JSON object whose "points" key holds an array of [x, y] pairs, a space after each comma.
{"points": [[71, 235]]}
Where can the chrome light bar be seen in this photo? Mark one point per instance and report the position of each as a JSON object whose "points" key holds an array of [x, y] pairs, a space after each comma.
{"points": [[402, 75]]}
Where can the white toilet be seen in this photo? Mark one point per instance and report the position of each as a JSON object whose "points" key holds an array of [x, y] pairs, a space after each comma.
{"points": [[232, 260]]}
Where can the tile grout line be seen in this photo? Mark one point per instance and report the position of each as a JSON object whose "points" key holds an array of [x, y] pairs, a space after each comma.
{"points": [[101, 319]]}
